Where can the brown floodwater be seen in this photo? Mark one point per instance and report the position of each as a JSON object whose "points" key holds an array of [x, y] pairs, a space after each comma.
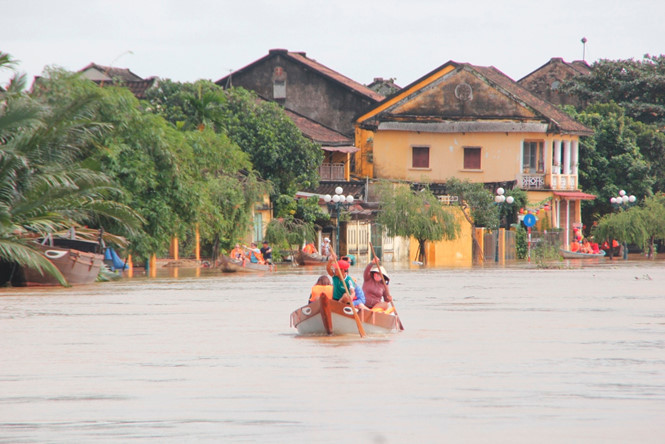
{"points": [[490, 354]]}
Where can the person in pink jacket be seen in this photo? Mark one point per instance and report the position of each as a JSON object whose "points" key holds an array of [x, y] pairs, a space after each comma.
{"points": [[376, 291]]}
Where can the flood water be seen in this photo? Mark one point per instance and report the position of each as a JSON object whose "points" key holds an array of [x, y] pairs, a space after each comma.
{"points": [[501, 355]]}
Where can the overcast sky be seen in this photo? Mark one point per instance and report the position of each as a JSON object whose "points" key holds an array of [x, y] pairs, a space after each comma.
{"points": [[362, 39]]}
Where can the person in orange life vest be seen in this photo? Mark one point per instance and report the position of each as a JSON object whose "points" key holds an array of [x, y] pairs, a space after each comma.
{"points": [[237, 253], [574, 246], [309, 248], [254, 254], [586, 246], [377, 294], [323, 287]]}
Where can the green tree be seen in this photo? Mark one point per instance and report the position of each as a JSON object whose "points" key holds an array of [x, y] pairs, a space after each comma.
{"points": [[44, 184], [277, 149], [637, 86], [611, 159], [642, 225], [418, 214]]}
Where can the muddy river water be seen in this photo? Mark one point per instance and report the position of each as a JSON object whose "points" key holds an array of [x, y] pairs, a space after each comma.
{"points": [[498, 354]]}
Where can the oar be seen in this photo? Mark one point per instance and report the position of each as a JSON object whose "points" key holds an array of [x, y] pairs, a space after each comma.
{"points": [[359, 324], [376, 259]]}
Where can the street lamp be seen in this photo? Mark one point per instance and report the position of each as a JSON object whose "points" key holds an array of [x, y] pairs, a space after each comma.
{"points": [[336, 203], [500, 199], [619, 201]]}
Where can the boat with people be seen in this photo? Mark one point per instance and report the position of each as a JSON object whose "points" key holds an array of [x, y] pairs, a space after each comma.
{"points": [[567, 254], [230, 265], [325, 316]]}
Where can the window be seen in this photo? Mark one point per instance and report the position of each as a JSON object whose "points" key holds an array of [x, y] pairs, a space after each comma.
{"points": [[420, 157], [279, 89], [532, 157], [471, 158]]}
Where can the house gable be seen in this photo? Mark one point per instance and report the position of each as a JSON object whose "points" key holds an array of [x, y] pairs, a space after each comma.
{"points": [[474, 98], [546, 81], [461, 94], [306, 87]]}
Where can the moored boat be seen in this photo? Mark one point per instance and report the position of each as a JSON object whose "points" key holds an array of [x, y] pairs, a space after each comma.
{"points": [[567, 254], [229, 265], [329, 317], [303, 258], [77, 267]]}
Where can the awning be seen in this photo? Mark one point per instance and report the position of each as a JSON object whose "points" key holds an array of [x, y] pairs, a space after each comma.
{"points": [[341, 149], [574, 195]]}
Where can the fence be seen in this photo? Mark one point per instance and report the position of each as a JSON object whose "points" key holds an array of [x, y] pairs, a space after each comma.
{"points": [[509, 252]]}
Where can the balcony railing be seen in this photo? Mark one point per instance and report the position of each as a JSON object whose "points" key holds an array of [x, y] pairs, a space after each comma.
{"points": [[552, 181], [332, 171]]}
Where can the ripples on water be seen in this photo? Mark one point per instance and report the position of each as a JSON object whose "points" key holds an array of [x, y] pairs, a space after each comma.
{"points": [[488, 355]]}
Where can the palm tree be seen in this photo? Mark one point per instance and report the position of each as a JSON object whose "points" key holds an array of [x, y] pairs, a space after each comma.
{"points": [[43, 186]]}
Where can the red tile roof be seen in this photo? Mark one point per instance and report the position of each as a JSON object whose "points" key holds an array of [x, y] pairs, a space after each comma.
{"points": [[317, 132], [123, 74], [301, 58]]}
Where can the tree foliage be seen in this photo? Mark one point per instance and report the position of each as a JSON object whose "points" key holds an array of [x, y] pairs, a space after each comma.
{"points": [[45, 183], [417, 214], [641, 225], [637, 86], [277, 149]]}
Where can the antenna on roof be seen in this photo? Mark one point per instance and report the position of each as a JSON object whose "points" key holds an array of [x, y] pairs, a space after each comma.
{"points": [[584, 40]]}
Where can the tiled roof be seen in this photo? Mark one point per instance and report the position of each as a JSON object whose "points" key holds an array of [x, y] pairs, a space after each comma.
{"points": [[558, 118], [317, 132], [123, 74], [121, 77], [301, 57], [140, 87], [334, 75]]}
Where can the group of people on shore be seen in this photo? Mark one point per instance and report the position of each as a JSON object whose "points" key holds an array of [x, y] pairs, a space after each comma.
{"points": [[373, 294]]}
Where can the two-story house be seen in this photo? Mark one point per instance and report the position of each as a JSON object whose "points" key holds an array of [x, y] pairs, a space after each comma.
{"points": [[475, 123]]}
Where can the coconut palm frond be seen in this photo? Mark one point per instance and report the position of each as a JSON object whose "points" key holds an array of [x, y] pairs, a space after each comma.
{"points": [[21, 252]]}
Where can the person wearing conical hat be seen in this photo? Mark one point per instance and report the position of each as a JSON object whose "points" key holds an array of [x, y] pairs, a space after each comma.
{"points": [[375, 286]]}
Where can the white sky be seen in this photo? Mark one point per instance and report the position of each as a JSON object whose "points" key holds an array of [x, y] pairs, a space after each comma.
{"points": [[362, 39]]}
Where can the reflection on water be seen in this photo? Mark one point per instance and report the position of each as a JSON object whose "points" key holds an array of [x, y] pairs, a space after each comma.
{"points": [[488, 355]]}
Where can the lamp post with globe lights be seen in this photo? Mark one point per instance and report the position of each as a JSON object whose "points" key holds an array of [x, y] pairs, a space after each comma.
{"points": [[336, 203], [500, 199], [622, 201]]}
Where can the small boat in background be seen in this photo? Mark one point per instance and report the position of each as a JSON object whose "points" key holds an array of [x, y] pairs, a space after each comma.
{"points": [[329, 317], [303, 258], [567, 254], [229, 265]]}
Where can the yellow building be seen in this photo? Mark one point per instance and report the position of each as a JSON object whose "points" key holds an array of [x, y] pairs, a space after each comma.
{"points": [[475, 123]]}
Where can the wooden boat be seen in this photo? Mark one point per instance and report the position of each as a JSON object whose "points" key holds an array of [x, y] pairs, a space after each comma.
{"points": [[78, 267], [328, 317], [230, 265], [303, 258], [567, 254]]}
